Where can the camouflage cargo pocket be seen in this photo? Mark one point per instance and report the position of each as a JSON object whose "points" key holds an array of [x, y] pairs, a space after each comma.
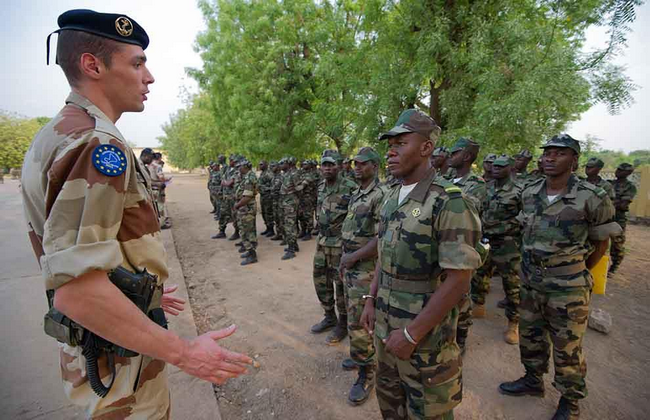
{"points": [[442, 383]]}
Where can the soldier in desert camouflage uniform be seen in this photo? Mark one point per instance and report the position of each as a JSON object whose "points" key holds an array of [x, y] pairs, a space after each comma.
{"points": [[566, 225], [462, 155], [501, 206], [266, 197], [427, 250], [624, 193], [246, 208], [333, 198], [89, 209], [359, 234]]}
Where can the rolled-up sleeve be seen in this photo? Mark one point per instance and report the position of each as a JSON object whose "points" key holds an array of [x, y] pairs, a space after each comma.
{"points": [[458, 230], [601, 218]]}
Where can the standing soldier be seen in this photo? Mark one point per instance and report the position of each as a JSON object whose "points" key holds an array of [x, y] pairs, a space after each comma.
{"points": [[333, 198], [359, 235], [289, 190], [501, 227], [624, 193], [592, 170], [462, 155], [439, 161], [210, 170], [228, 197], [566, 225], [310, 194], [427, 250], [487, 166], [347, 170], [246, 208], [215, 188], [93, 227], [266, 196], [276, 167], [520, 173]]}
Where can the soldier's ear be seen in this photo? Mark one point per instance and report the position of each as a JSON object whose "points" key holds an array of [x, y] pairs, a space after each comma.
{"points": [[426, 149]]}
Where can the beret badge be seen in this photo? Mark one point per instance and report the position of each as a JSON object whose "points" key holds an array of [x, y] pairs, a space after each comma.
{"points": [[123, 26]]}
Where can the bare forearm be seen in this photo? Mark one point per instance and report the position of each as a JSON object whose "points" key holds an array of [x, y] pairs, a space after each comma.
{"points": [[243, 202], [442, 301], [368, 251], [599, 250], [94, 302]]}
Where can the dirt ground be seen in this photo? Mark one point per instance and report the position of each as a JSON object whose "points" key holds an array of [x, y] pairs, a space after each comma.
{"points": [[273, 303]]}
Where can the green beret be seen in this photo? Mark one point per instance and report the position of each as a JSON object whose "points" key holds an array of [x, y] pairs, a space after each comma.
{"points": [[414, 121], [366, 154], [594, 161], [563, 140]]}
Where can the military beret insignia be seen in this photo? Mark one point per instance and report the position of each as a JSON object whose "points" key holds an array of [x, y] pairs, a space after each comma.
{"points": [[109, 160], [123, 26]]}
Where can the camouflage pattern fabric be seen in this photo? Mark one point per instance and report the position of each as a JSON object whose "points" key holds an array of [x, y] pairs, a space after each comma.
{"points": [[556, 284], [308, 199], [333, 207], [500, 226], [605, 185], [214, 185], [291, 185], [524, 179], [247, 187], [361, 225], [278, 217], [81, 220], [228, 200], [434, 229], [155, 172], [266, 196], [622, 191]]}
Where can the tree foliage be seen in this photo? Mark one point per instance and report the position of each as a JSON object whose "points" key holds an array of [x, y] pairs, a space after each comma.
{"points": [[16, 134], [297, 76]]}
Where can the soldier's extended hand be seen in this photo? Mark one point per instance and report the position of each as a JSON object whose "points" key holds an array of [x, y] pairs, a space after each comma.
{"points": [[398, 345], [205, 359], [172, 304], [368, 316]]}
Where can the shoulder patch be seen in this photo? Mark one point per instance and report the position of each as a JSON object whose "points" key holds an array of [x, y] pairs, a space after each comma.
{"points": [[109, 160]]}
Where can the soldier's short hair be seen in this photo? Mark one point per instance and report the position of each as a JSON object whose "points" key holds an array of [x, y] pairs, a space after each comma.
{"points": [[72, 44]]}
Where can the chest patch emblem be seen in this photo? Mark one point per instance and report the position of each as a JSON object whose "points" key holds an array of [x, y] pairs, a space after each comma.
{"points": [[109, 160], [416, 212]]}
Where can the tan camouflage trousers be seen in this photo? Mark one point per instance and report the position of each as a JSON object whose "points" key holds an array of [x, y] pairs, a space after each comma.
{"points": [[150, 400], [557, 319], [427, 386], [326, 278], [617, 249], [247, 228], [357, 284], [159, 197]]}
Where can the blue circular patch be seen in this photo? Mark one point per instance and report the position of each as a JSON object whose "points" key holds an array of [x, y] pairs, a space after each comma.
{"points": [[109, 160]]}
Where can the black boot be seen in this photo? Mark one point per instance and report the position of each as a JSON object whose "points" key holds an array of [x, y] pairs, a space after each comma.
{"points": [[213, 211], [221, 234], [348, 364], [340, 331], [234, 236], [567, 410], [241, 249], [529, 384], [284, 242], [307, 236], [251, 258], [360, 391], [271, 232], [240, 243], [302, 234], [503, 303], [461, 340], [289, 254], [327, 323], [265, 231]]}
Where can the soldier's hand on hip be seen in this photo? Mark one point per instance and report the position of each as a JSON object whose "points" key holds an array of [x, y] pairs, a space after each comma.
{"points": [[398, 345], [368, 316], [205, 359]]}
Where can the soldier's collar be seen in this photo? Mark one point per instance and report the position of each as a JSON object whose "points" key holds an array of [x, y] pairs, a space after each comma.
{"points": [[572, 187], [419, 193], [83, 102], [369, 188]]}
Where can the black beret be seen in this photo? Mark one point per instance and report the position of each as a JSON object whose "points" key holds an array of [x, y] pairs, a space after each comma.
{"points": [[108, 25]]}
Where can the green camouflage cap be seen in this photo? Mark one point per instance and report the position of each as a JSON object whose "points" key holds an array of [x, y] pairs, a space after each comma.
{"points": [[244, 162], [594, 161], [414, 121], [490, 158], [365, 154], [625, 166], [440, 151], [563, 140], [524, 153], [462, 143], [503, 160], [331, 156], [291, 160], [212, 162]]}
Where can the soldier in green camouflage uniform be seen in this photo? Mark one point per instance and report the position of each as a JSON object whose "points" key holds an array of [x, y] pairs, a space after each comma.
{"points": [[566, 226], [333, 198], [487, 166], [228, 197], [346, 169], [291, 187], [439, 161], [501, 228], [210, 170], [592, 170], [266, 196], [215, 188], [359, 235], [520, 173], [624, 193], [428, 235], [309, 199], [276, 185], [462, 155], [246, 208]]}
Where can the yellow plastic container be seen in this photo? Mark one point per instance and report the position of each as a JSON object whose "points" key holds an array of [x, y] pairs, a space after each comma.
{"points": [[599, 273]]}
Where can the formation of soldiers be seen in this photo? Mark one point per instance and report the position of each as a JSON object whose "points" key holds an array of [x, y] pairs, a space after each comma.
{"points": [[384, 247]]}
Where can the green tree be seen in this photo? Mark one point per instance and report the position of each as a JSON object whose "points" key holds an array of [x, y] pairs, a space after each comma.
{"points": [[16, 134]]}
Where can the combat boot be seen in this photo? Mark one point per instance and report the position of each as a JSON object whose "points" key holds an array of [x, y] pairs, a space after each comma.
{"points": [[362, 387], [307, 236], [567, 410], [529, 384], [220, 235], [265, 232], [289, 254], [241, 249], [213, 211], [512, 333], [234, 236], [478, 311], [349, 364], [461, 340], [503, 303], [340, 331], [277, 237], [302, 234], [327, 323], [251, 258], [269, 231]]}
